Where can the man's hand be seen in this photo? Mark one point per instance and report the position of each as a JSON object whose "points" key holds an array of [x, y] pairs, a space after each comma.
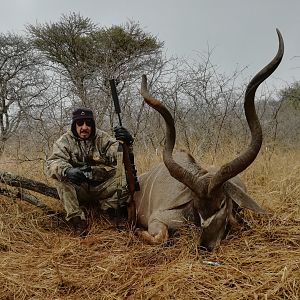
{"points": [[76, 175], [122, 134]]}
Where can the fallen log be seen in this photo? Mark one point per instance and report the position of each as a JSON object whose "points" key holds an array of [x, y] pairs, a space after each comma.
{"points": [[22, 183], [28, 184], [19, 194]]}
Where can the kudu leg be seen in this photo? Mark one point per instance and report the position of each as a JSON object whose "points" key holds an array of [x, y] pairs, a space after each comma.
{"points": [[157, 233]]}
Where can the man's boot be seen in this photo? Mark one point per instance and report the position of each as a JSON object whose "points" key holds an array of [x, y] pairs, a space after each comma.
{"points": [[79, 226]]}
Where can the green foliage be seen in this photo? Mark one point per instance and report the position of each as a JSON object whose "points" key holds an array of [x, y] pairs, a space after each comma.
{"points": [[125, 43], [66, 43], [76, 39], [88, 55]]}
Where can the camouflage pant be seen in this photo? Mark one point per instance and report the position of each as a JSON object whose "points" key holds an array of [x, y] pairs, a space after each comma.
{"points": [[74, 196]]}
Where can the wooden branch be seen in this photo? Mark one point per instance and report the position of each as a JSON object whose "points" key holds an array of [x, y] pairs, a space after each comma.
{"points": [[28, 184], [22, 183], [28, 198]]}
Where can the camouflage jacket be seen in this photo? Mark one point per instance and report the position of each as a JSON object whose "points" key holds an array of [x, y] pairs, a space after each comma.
{"points": [[69, 151]]}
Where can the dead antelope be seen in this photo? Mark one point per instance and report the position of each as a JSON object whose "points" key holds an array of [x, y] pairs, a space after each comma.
{"points": [[180, 191]]}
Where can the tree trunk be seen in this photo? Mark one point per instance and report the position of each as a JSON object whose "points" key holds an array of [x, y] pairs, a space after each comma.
{"points": [[28, 184], [22, 183]]}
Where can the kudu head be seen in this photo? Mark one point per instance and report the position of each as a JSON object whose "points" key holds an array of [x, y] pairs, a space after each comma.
{"points": [[216, 192]]}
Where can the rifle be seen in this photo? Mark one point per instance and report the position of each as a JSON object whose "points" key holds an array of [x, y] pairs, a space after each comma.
{"points": [[128, 161]]}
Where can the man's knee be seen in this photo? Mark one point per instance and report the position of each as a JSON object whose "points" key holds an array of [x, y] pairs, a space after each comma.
{"points": [[119, 199]]}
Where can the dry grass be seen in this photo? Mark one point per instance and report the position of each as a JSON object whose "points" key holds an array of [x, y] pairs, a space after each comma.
{"points": [[40, 259]]}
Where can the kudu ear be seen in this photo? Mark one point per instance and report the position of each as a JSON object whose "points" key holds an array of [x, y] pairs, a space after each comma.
{"points": [[241, 198]]}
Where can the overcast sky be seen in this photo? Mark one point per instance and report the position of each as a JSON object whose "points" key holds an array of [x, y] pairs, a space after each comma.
{"points": [[241, 33]]}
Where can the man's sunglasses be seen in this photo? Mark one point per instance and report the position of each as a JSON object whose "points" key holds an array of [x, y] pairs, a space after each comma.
{"points": [[87, 122]]}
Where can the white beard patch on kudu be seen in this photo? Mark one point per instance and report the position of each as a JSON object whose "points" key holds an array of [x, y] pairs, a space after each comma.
{"points": [[206, 222]]}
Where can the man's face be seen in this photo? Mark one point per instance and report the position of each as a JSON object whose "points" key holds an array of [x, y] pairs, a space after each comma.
{"points": [[84, 128]]}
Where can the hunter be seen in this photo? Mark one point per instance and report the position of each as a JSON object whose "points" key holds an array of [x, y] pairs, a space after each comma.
{"points": [[84, 165]]}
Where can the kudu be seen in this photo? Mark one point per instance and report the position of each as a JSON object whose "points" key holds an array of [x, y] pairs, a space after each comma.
{"points": [[179, 191]]}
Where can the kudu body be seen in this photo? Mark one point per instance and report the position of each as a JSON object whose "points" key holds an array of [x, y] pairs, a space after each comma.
{"points": [[180, 191]]}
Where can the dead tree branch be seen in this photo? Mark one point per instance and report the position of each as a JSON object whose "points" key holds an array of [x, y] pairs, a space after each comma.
{"points": [[28, 184], [22, 183], [27, 198]]}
